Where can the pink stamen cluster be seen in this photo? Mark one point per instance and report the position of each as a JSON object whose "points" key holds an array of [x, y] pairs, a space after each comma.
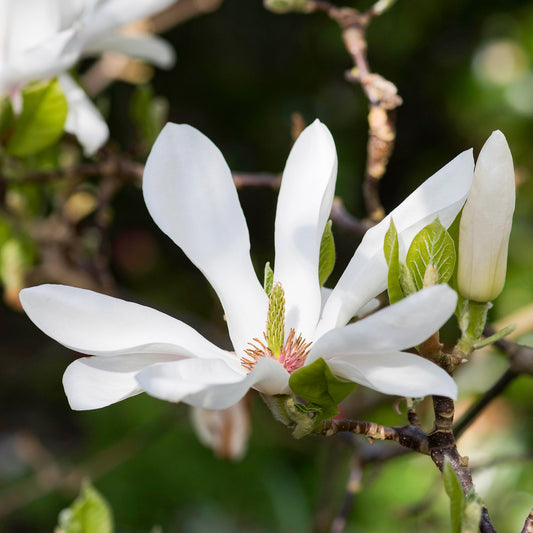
{"points": [[292, 354]]}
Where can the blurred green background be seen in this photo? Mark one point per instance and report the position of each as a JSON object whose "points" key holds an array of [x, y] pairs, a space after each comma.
{"points": [[463, 68]]}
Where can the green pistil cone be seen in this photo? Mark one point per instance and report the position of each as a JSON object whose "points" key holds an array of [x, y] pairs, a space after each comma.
{"points": [[275, 326]]}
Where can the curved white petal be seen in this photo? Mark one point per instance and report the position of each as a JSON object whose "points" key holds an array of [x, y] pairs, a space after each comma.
{"points": [[96, 324], [146, 47], [112, 14], [83, 119], [190, 194], [304, 205], [442, 196], [45, 60], [397, 327], [95, 382], [211, 384], [395, 373]]}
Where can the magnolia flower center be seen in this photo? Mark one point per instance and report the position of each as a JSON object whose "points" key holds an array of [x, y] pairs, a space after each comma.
{"points": [[292, 354]]}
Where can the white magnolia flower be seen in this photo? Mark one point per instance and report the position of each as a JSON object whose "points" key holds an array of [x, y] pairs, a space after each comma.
{"points": [[486, 223], [189, 191], [40, 39]]}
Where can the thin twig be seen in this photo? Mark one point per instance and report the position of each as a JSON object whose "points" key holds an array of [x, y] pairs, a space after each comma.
{"points": [[408, 436], [353, 486], [381, 94]]}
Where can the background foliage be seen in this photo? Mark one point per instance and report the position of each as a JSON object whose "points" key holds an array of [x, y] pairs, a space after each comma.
{"points": [[463, 68]]}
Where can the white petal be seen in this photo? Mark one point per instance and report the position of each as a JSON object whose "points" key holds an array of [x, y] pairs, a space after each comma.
{"points": [[397, 327], [190, 194], [115, 13], [396, 373], [304, 205], [42, 61], [96, 324], [94, 382], [440, 196], [211, 384], [147, 47], [83, 119]]}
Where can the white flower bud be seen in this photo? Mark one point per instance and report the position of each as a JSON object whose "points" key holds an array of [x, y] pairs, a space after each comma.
{"points": [[486, 223]]}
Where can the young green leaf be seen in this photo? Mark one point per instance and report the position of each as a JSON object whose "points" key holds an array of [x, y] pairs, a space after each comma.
{"points": [[391, 250], [453, 489], [269, 279], [326, 260], [41, 123], [432, 248], [316, 384], [6, 116], [89, 513]]}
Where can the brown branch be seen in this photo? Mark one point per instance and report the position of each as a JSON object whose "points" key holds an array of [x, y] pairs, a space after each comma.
{"points": [[381, 94], [528, 526], [408, 436], [442, 447]]}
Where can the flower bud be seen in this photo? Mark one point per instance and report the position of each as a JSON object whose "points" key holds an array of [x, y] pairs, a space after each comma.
{"points": [[486, 223]]}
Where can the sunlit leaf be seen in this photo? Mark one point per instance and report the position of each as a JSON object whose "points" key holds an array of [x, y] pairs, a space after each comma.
{"points": [[431, 248], [326, 260], [391, 250], [89, 513], [41, 122]]}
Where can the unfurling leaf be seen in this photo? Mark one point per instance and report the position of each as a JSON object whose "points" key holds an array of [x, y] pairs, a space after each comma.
{"points": [[326, 260], [269, 279], [391, 250], [432, 251], [316, 384], [465, 509], [41, 123], [453, 489], [89, 513]]}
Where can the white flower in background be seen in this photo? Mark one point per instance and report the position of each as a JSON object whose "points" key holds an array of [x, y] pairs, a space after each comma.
{"points": [[189, 191], [41, 39], [486, 223]]}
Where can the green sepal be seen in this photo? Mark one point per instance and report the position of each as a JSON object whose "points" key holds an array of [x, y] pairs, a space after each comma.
{"points": [[432, 249], [316, 384], [391, 250], [41, 122], [269, 279], [326, 260], [89, 513], [275, 325]]}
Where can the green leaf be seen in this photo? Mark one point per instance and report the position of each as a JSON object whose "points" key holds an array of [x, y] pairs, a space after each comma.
{"points": [[316, 384], [431, 252], [149, 113], [89, 513], [391, 250], [326, 260], [269, 279], [41, 123], [6, 116], [453, 489]]}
